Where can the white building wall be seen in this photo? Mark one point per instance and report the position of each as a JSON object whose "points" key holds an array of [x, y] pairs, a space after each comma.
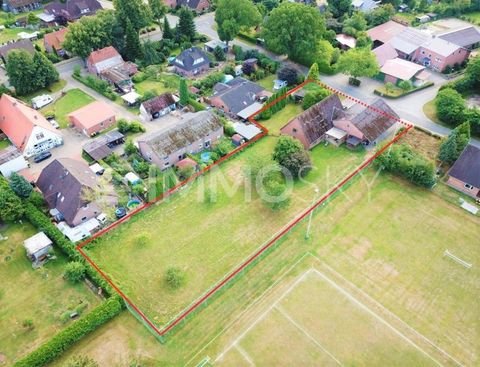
{"points": [[14, 165], [107, 64], [41, 140]]}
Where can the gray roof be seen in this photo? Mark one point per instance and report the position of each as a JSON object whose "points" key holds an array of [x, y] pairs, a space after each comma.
{"points": [[192, 4], [409, 40], [17, 45], [365, 5], [73, 9], [63, 182], [98, 148], [373, 120], [8, 154], [191, 59], [238, 94], [158, 103], [441, 46], [462, 37], [194, 127], [467, 166]]}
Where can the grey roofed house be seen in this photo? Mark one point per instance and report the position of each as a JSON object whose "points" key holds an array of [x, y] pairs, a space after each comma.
{"points": [[409, 40], [365, 5], [158, 103], [100, 147], [237, 94], [17, 45], [373, 120], [467, 37], [191, 59], [63, 184], [187, 136], [71, 10], [467, 167]]}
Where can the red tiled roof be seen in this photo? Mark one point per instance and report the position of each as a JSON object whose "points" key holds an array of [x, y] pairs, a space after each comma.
{"points": [[103, 54], [93, 113], [56, 39], [17, 120], [386, 31]]}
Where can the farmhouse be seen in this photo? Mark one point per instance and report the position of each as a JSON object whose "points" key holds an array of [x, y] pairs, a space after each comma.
{"points": [[158, 106], [467, 37], [11, 160], [53, 42], [396, 70], [310, 126], [236, 95], [25, 45], [438, 54], [20, 6], [383, 33], [38, 247], [197, 132], [93, 118], [367, 125], [465, 173], [191, 62], [384, 53], [65, 184], [71, 10], [26, 128]]}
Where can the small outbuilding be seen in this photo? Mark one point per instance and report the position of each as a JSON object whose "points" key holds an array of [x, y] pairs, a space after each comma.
{"points": [[210, 46], [132, 178], [336, 136], [38, 247], [238, 140], [248, 131], [93, 118]]}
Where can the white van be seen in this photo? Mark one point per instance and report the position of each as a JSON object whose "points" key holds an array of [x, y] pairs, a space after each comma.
{"points": [[41, 101]]}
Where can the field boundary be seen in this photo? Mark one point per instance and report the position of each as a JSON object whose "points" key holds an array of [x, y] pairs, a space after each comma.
{"points": [[161, 332]]}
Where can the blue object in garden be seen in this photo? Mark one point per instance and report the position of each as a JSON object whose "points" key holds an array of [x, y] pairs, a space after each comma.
{"points": [[120, 212], [205, 156], [133, 203]]}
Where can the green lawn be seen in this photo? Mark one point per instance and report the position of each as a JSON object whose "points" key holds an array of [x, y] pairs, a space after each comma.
{"points": [[165, 83], [71, 101], [277, 121], [225, 232], [41, 295], [53, 88], [4, 143], [430, 110], [267, 82], [473, 16], [9, 34]]}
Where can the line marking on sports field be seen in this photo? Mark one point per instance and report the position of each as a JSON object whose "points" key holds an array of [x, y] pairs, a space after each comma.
{"points": [[351, 298], [244, 354], [306, 333], [263, 315], [363, 293]]}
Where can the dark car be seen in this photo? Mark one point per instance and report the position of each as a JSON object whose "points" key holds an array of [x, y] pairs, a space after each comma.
{"points": [[42, 156], [120, 212]]}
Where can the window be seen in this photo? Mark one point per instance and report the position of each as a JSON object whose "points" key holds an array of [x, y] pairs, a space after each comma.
{"points": [[294, 130], [84, 218], [166, 164], [468, 186], [39, 136]]}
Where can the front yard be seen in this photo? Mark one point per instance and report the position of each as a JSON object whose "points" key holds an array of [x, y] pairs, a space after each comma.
{"points": [[72, 100], [41, 296], [161, 84]]}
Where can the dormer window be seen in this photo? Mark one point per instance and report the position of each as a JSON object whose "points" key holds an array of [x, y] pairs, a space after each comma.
{"points": [[198, 61], [39, 136]]}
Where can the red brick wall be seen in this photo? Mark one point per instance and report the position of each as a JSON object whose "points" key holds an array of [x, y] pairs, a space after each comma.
{"points": [[460, 186]]}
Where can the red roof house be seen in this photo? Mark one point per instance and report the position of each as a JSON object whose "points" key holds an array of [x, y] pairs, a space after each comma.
{"points": [[93, 118], [26, 128], [53, 42]]}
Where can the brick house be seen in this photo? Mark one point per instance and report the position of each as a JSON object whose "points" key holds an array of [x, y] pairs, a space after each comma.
{"points": [[197, 5], [93, 118], [191, 62], [71, 10], [438, 54], [103, 59], [464, 175], [195, 133], [311, 125], [20, 6], [53, 42], [158, 106]]}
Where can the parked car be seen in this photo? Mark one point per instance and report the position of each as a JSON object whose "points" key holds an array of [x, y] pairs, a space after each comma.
{"points": [[120, 212], [53, 122], [42, 156], [41, 101]]}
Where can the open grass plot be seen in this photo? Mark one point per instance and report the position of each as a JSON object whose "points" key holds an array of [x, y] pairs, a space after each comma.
{"points": [[322, 325], [41, 296], [71, 101], [161, 84], [280, 119], [205, 240]]}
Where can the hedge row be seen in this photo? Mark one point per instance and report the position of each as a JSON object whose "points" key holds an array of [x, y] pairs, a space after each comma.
{"points": [[42, 223], [69, 336], [426, 85], [98, 85]]}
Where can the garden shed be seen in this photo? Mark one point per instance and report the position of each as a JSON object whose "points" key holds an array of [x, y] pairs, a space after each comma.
{"points": [[38, 247]]}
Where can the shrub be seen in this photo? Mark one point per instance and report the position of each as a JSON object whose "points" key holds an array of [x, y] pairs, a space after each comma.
{"points": [[312, 98], [20, 185], [197, 106], [48, 351], [36, 199], [223, 147], [219, 54], [139, 77], [74, 271], [174, 277], [290, 154], [28, 324]]}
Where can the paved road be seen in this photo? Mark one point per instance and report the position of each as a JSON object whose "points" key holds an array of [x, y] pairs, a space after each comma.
{"points": [[409, 108]]}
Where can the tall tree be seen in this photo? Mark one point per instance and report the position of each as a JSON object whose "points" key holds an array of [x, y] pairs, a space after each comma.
{"points": [[358, 62], [294, 29], [451, 106], [186, 26], [20, 185], [158, 9], [167, 30], [355, 24], [234, 15], [136, 11], [339, 7], [11, 207], [183, 91], [46, 73], [313, 73], [21, 71], [150, 54], [133, 48]]}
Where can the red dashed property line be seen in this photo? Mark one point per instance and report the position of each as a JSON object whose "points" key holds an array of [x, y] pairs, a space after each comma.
{"points": [[222, 283]]}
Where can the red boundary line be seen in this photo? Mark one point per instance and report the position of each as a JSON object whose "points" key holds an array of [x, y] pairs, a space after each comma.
{"points": [[285, 230]]}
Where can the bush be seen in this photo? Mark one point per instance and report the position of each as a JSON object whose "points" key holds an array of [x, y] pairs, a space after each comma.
{"points": [[130, 127], [99, 85], [312, 98], [20, 185], [223, 147], [139, 77], [47, 352], [174, 278], [36, 199], [197, 106], [74, 271]]}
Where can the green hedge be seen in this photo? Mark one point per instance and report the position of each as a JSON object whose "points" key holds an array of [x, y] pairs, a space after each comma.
{"points": [[43, 223], [426, 85], [98, 85], [196, 105], [69, 336]]}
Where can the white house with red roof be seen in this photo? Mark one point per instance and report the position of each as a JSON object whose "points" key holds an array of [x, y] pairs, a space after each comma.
{"points": [[101, 60], [26, 128]]}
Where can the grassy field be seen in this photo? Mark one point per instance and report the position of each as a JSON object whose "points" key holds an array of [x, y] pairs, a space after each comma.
{"points": [[430, 110], [267, 82], [165, 83], [40, 295], [71, 101], [239, 224], [277, 121]]}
